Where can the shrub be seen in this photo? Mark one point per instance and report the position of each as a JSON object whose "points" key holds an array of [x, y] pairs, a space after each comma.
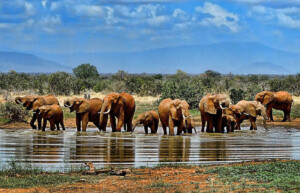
{"points": [[12, 112]]}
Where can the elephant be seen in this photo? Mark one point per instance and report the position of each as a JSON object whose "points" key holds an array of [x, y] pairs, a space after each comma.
{"points": [[248, 110], [120, 106], [211, 107], [148, 119], [229, 122], [175, 113], [86, 111], [54, 114], [33, 103], [281, 100]]}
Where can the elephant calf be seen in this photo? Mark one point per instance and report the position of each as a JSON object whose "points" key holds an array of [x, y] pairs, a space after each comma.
{"points": [[148, 119], [229, 122], [53, 114]]}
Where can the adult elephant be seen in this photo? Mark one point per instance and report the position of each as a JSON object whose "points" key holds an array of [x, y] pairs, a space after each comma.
{"points": [[86, 111], [281, 100], [33, 103], [174, 113], [53, 114], [120, 106], [211, 107], [248, 110], [148, 119]]}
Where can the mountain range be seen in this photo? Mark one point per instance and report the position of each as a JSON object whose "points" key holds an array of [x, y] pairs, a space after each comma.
{"points": [[237, 58]]}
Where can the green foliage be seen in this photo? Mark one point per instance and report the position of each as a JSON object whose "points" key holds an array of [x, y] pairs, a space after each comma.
{"points": [[12, 112], [60, 83], [279, 175], [86, 71], [236, 95]]}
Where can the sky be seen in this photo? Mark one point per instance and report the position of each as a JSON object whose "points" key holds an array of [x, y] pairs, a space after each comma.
{"points": [[72, 26]]}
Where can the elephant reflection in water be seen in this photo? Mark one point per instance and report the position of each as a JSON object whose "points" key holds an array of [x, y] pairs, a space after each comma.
{"points": [[213, 151], [174, 149], [105, 150], [47, 149]]}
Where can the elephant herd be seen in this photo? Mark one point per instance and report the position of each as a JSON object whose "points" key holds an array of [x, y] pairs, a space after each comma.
{"points": [[217, 113]]}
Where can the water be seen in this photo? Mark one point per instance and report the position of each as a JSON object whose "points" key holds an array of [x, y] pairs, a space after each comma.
{"points": [[69, 149]]}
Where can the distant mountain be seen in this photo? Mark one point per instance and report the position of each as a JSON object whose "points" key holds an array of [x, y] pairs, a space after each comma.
{"points": [[262, 68], [29, 63], [221, 57]]}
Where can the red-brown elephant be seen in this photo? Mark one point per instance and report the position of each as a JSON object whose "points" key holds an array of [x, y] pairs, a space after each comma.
{"points": [[174, 113], [86, 111], [229, 122], [148, 119], [120, 106], [281, 100], [53, 114], [211, 107], [33, 103]]}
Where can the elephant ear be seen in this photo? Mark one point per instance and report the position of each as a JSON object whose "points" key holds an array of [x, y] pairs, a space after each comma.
{"points": [[83, 106], [209, 105], [173, 112], [269, 97], [37, 102], [148, 117], [251, 109]]}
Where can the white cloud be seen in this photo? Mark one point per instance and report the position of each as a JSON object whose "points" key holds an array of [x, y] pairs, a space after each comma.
{"points": [[44, 3], [90, 10], [286, 17], [29, 8], [50, 24], [54, 5], [220, 17]]}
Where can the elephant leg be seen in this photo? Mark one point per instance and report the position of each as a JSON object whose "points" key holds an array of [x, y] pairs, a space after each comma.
{"points": [[34, 117], [85, 121], [57, 126], [52, 124], [171, 126], [125, 126], [288, 113], [238, 124], [97, 124], [180, 128], [203, 123], [44, 124], [104, 123], [39, 118], [210, 124], [155, 125], [129, 124], [113, 123], [62, 124], [164, 128], [153, 129], [78, 121], [269, 112], [146, 129], [253, 120], [219, 124]]}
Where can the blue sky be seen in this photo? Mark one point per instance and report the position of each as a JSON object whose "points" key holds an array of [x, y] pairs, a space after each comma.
{"points": [[71, 26]]}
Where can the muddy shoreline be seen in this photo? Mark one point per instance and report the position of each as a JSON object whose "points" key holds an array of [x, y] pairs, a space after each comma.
{"points": [[71, 123]]}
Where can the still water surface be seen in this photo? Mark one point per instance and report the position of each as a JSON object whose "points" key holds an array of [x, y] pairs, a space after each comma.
{"points": [[63, 150]]}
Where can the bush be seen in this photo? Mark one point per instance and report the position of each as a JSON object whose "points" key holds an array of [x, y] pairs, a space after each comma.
{"points": [[12, 112], [236, 95]]}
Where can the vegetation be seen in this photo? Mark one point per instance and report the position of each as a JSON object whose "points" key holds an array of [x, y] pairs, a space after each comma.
{"points": [[180, 85], [12, 112], [283, 176], [18, 175]]}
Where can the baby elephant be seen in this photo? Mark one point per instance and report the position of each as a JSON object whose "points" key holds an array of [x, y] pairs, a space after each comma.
{"points": [[148, 119], [54, 114], [229, 122]]}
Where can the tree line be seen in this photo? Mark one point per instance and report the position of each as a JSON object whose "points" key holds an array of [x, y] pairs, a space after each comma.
{"points": [[180, 85]]}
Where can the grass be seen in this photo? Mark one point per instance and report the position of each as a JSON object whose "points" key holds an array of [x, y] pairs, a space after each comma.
{"points": [[144, 107], [159, 184], [283, 176], [18, 175]]}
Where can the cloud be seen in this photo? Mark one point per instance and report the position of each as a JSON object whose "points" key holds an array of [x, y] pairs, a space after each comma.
{"points": [[90, 10], [220, 17], [285, 17], [50, 24], [29, 8]]}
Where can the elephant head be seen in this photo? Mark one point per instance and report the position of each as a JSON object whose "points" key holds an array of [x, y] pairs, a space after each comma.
{"points": [[265, 97], [111, 102], [46, 111], [144, 117], [216, 102], [31, 102], [80, 105], [179, 109]]}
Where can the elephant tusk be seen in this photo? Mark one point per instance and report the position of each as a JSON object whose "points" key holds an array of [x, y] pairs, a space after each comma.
{"points": [[246, 114], [187, 116], [19, 102], [195, 130], [34, 112], [222, 107], [106, 112], [67, 105]]}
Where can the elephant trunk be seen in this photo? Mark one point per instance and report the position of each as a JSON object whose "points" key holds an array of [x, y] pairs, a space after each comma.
{"points": [[264, 115], [104, 111], [134, 124]]}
